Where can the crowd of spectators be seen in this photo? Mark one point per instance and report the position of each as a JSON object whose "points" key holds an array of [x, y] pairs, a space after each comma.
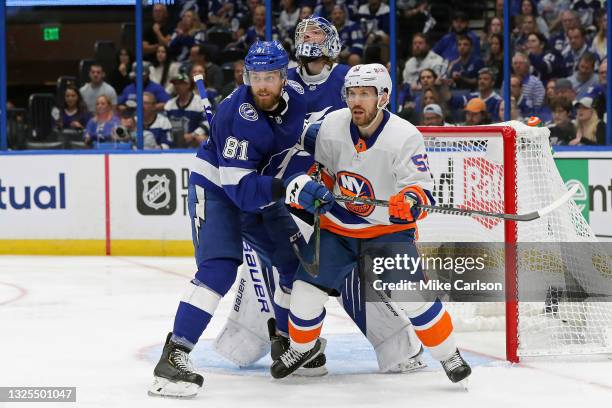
{"points": [[558, 72], [558, 65]]}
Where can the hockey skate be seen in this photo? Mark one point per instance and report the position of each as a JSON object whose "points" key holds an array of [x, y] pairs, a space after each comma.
{"points": [[279, 344], [292, 359], [174, 374], [456, 368]]}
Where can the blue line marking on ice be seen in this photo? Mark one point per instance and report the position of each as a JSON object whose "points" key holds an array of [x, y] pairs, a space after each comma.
{"points": [[347, 354]]}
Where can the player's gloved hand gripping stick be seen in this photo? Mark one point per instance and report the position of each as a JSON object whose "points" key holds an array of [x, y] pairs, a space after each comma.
{"points": [[530, 216], [314, 197]]}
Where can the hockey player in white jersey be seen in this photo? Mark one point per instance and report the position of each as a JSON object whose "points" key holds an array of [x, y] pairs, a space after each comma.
{"points": [[317, 46], [367, 147]]}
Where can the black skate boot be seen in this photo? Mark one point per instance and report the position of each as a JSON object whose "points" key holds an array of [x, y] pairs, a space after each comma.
{"points": [[456, 368], [292, 359], [174, 374], [279, 344]]}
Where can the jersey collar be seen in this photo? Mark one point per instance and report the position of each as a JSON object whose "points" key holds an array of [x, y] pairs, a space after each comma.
{"points": [[361, 145], [315, 79], [178, 101]]}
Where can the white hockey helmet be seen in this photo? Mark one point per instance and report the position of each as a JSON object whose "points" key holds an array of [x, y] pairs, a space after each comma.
{"points": [[375, 75]]}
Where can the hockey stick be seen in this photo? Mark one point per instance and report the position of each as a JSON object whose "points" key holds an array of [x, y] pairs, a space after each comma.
{"points": [[199, 81], [313, 267], [530, 216]]}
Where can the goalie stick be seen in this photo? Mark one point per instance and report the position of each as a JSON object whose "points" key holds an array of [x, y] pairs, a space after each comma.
{"points": [[530, 216]]}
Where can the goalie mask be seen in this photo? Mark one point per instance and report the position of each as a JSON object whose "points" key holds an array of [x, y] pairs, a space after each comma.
{"points": [[316, 37], [375, 75]]}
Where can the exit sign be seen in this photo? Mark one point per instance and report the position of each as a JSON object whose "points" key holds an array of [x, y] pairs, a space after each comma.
{"points": [[51, 33]]}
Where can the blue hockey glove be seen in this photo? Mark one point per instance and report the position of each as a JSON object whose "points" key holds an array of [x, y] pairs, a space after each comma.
{"points": [[302, 191]]}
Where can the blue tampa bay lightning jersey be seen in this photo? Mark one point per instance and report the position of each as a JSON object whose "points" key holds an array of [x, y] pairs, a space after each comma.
{"points": [[325, 96], [236, 159]]}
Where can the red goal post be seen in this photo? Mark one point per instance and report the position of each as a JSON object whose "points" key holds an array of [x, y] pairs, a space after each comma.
{"points": [[509, 168]]}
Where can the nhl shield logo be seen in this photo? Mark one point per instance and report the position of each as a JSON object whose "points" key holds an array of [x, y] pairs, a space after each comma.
{"points": [[156, 191]]}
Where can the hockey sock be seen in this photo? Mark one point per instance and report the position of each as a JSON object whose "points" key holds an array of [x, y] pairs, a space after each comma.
{"points": [[306, 315], [195, 310], [433, 326], [282, 299]]}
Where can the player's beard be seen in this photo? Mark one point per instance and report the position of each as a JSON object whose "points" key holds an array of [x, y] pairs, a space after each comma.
{"points": [[362, 117], [266, 99]]}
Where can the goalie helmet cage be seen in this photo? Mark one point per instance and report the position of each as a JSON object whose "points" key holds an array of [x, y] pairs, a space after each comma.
{"points": [[509, 168]]}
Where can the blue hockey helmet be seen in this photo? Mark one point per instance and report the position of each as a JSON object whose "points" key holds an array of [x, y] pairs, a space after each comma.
{"points": [[266, 56], [316, 37]]}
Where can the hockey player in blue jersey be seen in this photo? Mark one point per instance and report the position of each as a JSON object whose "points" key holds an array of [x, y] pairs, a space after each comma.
{"points": [[317, 46], [232, 195]]}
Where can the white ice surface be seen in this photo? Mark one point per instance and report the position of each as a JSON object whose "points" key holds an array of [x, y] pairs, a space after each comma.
{"points": [[98, 323]]}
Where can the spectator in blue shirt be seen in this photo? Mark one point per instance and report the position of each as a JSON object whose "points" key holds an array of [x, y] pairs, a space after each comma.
{"points": [[447, 46], [463, 72], [547, 63], [157, 132], [485, 92], [74, 113], [257, 32], [584, 78], [375, 15], [532, 89], [350, 34], [187, 106], [577, 47], [189, 32], [569, 20], [100, 128], [129, 93]]}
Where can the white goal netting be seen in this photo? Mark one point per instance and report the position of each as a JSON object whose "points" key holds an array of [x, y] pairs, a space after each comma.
{"points": [[558, 312]]}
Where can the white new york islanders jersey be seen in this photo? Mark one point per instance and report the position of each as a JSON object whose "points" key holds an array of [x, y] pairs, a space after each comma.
{"points": [[380, 166]]}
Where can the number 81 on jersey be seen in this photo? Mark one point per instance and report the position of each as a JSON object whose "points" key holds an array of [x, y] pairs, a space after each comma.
{"points": [[235, 149]]}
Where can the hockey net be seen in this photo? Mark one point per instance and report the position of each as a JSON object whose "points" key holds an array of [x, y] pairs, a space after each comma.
{"points": [[509, 168]]}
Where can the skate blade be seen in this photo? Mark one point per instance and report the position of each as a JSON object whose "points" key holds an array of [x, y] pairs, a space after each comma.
{"points": [[311, 372], [164, 388], [408, 367], [465, 384]]}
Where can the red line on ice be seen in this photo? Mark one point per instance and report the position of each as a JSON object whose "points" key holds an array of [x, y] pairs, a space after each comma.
{"points": [[22, 292]]}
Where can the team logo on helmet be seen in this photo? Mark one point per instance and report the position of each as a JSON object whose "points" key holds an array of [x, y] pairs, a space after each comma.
{"points": [[248, 112], [355, 185], [296, 86]]}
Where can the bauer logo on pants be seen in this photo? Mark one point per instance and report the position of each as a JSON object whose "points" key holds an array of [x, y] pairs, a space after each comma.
{"points": [[156, 191]]}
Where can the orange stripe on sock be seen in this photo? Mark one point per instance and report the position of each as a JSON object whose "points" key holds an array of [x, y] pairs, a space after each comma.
{"points": [[436, 334], [303, 336]]}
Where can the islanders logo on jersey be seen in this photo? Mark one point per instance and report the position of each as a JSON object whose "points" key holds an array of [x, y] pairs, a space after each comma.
{"points": [[355, 185]]}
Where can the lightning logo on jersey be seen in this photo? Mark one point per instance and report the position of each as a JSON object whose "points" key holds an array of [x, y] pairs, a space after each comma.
{"points": [[355, 185]]}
